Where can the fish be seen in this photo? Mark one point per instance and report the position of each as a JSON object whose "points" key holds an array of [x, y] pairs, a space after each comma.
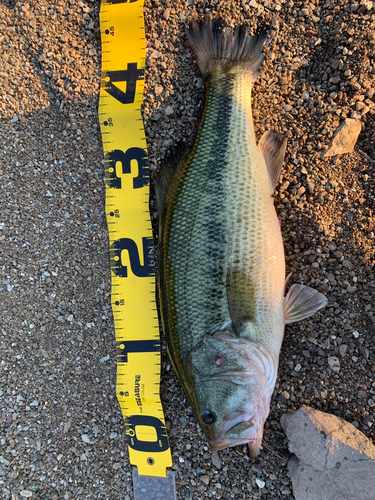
{"points": [[221, 274]]}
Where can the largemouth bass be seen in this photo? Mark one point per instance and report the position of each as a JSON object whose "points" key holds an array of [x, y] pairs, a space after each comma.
{"points": [[221, 256]]}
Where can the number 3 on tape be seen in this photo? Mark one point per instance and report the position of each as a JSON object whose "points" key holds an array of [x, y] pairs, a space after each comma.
{"points": [[130, 234]]}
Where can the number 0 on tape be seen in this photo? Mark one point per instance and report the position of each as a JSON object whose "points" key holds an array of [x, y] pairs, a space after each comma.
{"points": [[130, 234]]}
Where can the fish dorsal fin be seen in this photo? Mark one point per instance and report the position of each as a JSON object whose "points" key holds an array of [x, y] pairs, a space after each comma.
{"points": [[273, 147], [302, 302], [241, 299], [164, 177]]}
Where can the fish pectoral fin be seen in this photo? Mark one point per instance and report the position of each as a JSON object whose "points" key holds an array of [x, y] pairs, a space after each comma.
{"points": [[165, 175], [273, 147], [240, 290], [302, 302]]}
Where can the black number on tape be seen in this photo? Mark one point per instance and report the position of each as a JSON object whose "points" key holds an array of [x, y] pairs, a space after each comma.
{"points": [[161, 444], [138, 154], [130, 76], [138, 270], [124, 347]]}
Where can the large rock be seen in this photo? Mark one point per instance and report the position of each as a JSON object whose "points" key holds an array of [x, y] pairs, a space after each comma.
{"points": [[344, 138], [334, 460]]}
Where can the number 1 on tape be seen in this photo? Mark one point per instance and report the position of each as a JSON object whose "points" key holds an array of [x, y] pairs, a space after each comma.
{"points": [[130, 234]]}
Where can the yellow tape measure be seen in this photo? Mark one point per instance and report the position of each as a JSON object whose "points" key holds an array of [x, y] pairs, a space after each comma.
{"points": [[130, 234]]}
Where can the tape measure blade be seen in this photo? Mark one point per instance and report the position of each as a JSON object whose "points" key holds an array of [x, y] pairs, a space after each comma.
{"points": [[153, 488], [131, 246]]}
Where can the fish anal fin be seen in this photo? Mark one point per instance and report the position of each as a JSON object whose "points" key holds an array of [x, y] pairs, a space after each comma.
{"points": [[241, 299], [301, 302], [273, 147]]}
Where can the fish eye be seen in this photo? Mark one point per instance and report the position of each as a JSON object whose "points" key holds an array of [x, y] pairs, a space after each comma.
{"points": [[209, 417]]}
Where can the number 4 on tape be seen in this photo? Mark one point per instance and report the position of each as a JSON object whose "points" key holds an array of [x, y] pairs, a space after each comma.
{"points": [[130, 233]]}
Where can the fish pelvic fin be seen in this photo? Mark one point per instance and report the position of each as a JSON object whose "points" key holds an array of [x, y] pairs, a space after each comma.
{"points": [[217, 47], [302, 302], [273, 147]]}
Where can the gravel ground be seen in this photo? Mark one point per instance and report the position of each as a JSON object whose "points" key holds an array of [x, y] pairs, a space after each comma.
{"points": [[62, 435]]}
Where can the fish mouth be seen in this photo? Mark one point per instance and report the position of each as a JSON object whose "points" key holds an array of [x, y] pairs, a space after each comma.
{"points": [[240, 428], [253, 445]]}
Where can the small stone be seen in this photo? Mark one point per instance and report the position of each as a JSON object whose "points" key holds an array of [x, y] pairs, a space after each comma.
{"points": [[311, 186], [216, 459], [260, 483], [344, 139], [206, 479], [334, 363], [26, 493], [85, 438], [199, 83], [168, 111], [155, 54], [347, 263], [342, 349], [284, 185], [158, 89], [281, 398], [285, 394]]}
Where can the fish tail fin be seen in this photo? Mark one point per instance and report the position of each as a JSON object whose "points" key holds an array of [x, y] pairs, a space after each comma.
{"points": [[217, 47]]}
